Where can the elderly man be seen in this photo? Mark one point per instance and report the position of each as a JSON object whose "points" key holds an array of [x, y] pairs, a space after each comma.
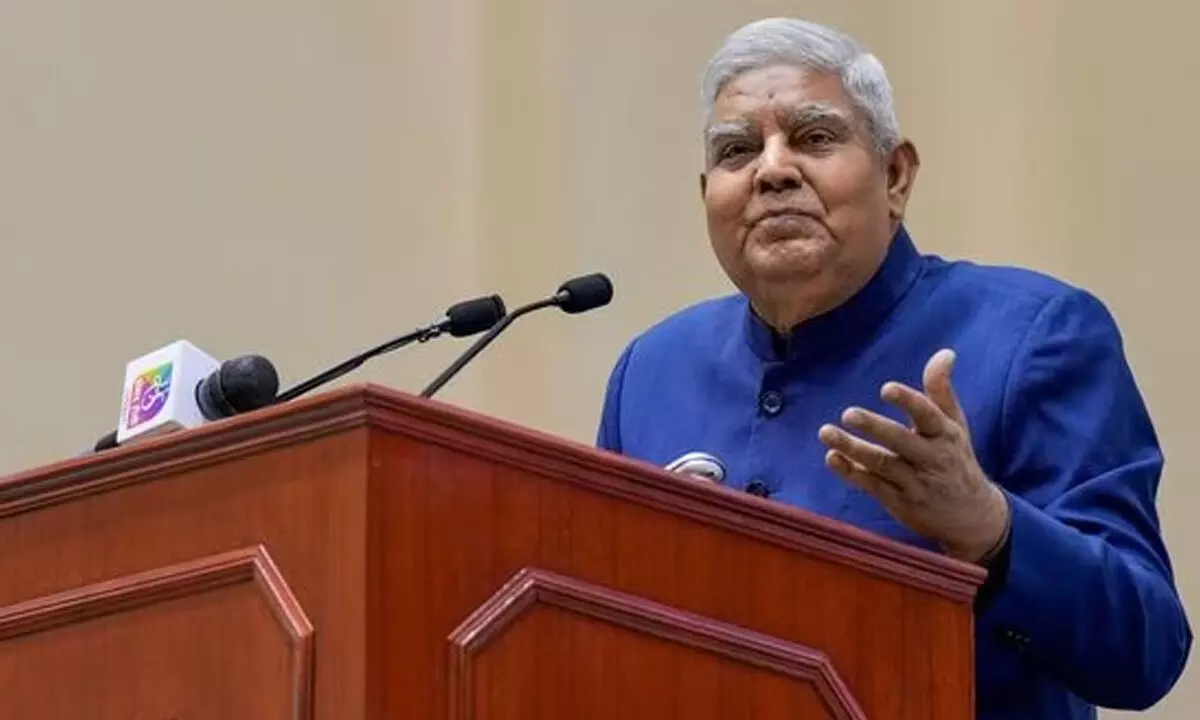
{"points": [[827, 383]]}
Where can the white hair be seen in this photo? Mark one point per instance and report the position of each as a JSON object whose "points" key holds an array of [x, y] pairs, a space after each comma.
{"points": [[814, 47]]}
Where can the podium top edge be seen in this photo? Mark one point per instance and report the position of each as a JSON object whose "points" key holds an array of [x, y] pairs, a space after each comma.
{"points": [[369, 405]]}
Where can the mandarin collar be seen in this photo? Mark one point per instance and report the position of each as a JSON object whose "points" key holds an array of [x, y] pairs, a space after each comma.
{"points": [[849, 322]]}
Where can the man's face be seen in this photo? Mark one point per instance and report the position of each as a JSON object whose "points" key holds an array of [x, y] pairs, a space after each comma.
{"points": [[798, 202]]}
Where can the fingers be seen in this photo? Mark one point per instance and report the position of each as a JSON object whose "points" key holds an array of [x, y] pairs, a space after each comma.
{"points": [[860, 477], [927, 418], [938, 385], [889, 433], [873, 458]]}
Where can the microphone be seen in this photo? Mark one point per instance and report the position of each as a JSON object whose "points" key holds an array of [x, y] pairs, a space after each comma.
{"points": [[699, 464], [240, 385], [107, 442], [179, 386], [574, 296], [469, 317], [709, 467]]}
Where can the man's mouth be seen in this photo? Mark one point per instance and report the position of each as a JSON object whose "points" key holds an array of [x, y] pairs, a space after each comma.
{"points": [[786, 225]]}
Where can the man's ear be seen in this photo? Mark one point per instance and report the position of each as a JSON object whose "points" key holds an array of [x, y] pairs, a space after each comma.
{"points": [[703, 184], [902, 165]]}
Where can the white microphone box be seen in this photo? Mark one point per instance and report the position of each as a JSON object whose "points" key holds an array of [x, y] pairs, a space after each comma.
{"points": [[160, 391]]}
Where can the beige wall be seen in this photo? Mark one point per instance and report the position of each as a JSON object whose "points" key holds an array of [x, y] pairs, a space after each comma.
{"points": [[307, 178]]}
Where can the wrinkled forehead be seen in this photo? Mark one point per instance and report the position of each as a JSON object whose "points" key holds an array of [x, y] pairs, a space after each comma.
{"points": [[782, 93]]}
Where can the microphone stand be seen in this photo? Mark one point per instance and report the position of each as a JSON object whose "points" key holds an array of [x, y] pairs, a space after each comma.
{"points": [[421, 335], [484, 341]]}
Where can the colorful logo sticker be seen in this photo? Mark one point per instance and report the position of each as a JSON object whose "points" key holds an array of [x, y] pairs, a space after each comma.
{"points": [[148, 395]]}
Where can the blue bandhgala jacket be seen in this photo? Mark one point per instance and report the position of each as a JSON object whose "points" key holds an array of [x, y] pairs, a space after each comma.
{"points": [[1080, 609]]}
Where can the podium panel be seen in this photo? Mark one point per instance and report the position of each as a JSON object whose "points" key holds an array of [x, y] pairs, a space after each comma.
{"points": [[218, 638], [547, 646]]}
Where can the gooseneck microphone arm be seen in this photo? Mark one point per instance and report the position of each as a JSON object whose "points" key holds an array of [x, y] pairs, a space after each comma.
{"points": [[577, 295], [420, 335], [462, 319], [478, 346]]}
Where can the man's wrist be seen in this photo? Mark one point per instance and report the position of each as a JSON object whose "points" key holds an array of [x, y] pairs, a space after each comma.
{"points": [[996, 521], [996, 561], [1004, 512], [996, 547]]}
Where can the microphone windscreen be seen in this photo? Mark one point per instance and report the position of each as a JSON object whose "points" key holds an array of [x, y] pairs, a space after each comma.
{"points": [[241, 385], [470, 317], [249, 382], [584, 293]]}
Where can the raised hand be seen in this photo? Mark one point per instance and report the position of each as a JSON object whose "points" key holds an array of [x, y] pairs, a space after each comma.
{"points": [[925, 475]]}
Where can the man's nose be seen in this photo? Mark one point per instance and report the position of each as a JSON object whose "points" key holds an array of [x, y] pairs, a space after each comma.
{"points": [[778, 170]]}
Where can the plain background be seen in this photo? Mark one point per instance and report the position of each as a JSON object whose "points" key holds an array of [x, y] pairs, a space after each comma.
{"points": [[308, 178]]}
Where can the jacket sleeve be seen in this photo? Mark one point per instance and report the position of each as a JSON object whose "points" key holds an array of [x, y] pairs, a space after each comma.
{"points": [[1088, 594], [608, 436]]}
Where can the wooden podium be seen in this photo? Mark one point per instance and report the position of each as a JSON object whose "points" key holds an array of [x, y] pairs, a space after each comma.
{"points": [[368, 554]]}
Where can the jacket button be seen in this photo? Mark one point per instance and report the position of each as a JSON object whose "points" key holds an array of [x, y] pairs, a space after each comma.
{"points": [[759, 488], [771, 403]]}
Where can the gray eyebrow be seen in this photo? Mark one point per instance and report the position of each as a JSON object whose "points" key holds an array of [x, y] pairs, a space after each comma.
{"points": [[812, 113], [806, 114], [725, 129]]}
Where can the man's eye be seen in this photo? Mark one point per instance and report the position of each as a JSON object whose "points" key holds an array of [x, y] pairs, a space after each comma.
{"points": [[733, 150], [819, 138]]}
